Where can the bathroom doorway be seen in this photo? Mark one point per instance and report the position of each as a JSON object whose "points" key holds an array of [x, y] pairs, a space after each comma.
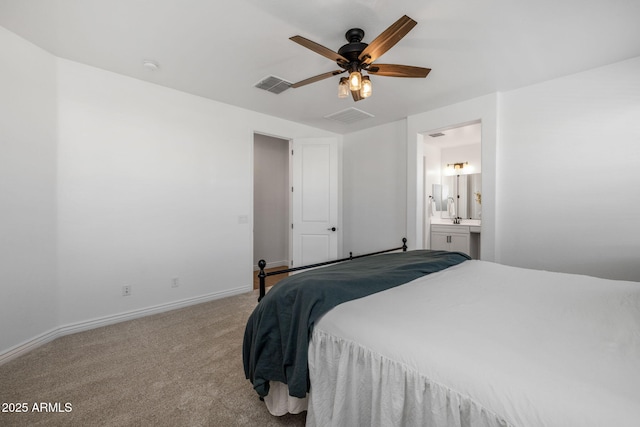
{"points": [[451, 156]]}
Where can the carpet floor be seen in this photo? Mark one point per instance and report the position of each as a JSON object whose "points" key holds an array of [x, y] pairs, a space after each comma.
{"points": [[179, 368]]}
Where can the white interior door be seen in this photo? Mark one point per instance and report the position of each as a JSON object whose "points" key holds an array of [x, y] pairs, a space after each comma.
{"points": [[314, 200]]}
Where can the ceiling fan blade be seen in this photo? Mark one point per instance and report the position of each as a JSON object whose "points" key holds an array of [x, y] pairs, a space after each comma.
{"points": [[317, 48], [317, 78], [387, 39], [394, 70], [355, 94]]}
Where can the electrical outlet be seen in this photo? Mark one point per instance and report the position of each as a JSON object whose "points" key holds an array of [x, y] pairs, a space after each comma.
{"points": [[126, 290], [175, 282]]}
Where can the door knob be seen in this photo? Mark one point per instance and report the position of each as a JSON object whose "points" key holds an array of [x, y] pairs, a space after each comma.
{"points": [[332, 229]]}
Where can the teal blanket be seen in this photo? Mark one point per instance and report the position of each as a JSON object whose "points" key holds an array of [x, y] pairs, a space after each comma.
{"points": [[277, 334]]}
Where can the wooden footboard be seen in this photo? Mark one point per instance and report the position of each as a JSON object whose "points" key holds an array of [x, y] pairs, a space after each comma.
{"points": [[262, 275]]}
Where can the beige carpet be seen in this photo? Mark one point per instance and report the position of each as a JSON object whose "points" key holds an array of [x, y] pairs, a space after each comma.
{"points": [[180, 368]]}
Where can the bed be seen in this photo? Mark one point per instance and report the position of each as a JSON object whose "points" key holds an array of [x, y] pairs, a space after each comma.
{"points": [[475, 344]]}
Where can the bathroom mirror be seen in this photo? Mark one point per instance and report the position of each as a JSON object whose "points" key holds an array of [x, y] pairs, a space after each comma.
{"points": [[440, 194], [466, 192]]}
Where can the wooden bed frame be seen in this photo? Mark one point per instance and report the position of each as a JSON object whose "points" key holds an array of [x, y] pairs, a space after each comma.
{"points": [[262, 275]]}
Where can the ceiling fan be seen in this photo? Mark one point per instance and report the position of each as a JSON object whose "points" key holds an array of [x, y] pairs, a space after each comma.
{"points": [[356, 57]]}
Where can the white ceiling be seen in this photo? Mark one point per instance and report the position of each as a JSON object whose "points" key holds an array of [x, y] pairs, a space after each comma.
{"points": [[219, 50], [468, 134]]}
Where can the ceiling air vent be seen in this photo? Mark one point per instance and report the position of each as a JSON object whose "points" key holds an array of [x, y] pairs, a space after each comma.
{"points": [[348, 116], [435, 135], [273, 84]]}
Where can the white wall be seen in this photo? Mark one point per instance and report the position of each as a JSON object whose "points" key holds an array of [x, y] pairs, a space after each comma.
{"points": [[153, 184], [569, 160], [559, 172], [271, 201], [106, 181], [374, 188], [27, 190]]}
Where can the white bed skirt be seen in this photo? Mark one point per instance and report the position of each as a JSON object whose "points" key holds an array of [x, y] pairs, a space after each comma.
{"points": [[368, 389], [279, 402]]}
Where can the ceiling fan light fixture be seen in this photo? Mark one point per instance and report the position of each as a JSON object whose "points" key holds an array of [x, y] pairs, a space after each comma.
{"points": [[355, 80], [356, 56], [343, 88], [367, 88]]}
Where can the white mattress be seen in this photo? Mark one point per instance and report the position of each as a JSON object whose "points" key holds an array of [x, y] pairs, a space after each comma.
{"points": [[481, 344]]}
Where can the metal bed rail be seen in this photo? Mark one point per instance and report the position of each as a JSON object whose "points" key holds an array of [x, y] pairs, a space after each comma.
{"points": [[262, 275]]}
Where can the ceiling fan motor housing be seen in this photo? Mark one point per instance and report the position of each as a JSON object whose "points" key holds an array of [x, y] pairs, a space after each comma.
{"points": [[352, 50]]}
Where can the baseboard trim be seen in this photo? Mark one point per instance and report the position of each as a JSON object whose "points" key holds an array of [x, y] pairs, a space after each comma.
{"points": [[73, 328]]}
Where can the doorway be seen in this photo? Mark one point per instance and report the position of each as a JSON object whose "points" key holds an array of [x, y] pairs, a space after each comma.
{"points": [[271, 202], [453, 152]]}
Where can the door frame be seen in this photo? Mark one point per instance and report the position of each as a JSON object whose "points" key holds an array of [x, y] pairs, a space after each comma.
{"points": [[485, 109]]}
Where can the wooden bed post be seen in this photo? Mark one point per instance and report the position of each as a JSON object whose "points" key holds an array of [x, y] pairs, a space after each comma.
{"points": [[262, 275]]}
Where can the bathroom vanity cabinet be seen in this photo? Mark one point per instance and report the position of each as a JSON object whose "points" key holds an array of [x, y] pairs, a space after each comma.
{"points": [[460, 238]]}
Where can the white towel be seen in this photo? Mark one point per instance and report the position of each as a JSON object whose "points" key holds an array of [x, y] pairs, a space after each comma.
{"points": [[451, 207], [432, 206]]}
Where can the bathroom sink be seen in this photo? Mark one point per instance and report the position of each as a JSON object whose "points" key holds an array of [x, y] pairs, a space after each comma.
{"points": [[448, 221]]}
